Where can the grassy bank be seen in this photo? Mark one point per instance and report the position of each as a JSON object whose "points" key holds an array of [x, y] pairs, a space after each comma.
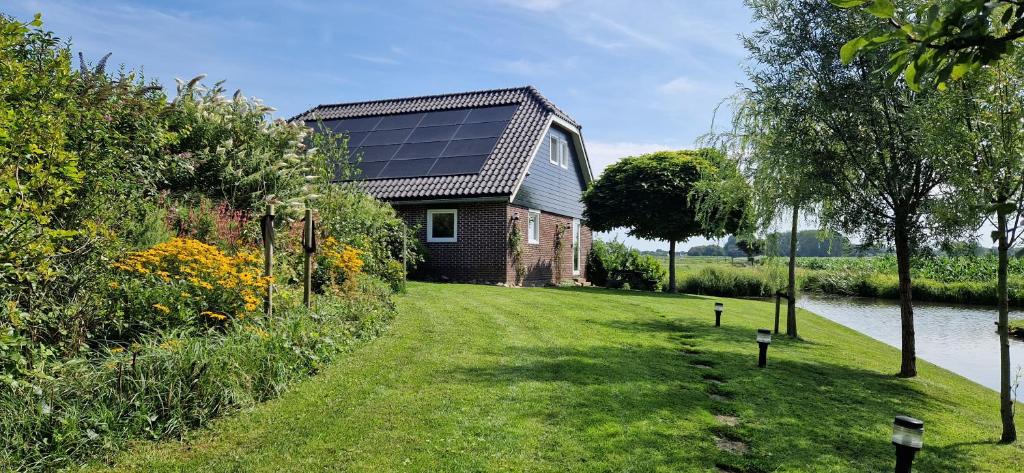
{"points": [[952, 280], [475, 378], [168, 383]]}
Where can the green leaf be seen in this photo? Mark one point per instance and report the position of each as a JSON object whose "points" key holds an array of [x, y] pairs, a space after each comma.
{"points": [[37, 20], [847, 3], [959, 69], [910, 75], [882, 8], [851, 48]]}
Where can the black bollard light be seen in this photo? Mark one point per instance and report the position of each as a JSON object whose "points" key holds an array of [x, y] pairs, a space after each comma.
{"points": [[719, 307], [908, 437], [764, 338]]}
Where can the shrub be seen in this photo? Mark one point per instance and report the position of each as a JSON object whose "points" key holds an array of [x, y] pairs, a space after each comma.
{"points": [[613, 264], [338, 265], [183, 282]]}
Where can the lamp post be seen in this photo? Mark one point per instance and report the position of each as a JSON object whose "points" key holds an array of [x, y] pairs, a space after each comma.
{"points": [[764, 338], [908, 437], [719, 307]]}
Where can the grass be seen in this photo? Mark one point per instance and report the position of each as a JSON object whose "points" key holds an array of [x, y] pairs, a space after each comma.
{"points": [[477, 378]]}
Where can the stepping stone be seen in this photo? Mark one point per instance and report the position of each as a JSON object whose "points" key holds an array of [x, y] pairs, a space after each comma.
{"points": [[690, 351], [731, 421], [731, 446], [713, 378], [706, 364], [718, 397], [726, 469]]}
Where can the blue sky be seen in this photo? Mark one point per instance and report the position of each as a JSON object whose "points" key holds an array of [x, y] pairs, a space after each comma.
{"points": [[639, 76]]}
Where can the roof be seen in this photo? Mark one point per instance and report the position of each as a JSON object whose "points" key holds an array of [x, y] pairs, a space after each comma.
{"points": [[503, 170]]}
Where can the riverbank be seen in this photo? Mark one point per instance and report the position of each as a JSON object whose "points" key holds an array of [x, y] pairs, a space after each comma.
{"points": [[961, 280], [478, 378]]}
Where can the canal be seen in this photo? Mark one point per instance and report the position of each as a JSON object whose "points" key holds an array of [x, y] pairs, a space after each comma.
{"points": [[961, 339]]}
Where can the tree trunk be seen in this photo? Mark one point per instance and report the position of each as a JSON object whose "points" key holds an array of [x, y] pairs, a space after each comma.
{"points": [[672, 266], [791, 290], [908, 367], [1005, 399]]}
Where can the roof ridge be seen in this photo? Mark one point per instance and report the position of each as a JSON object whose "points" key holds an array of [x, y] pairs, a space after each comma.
{"points": [[429, 96], [530, 89]]}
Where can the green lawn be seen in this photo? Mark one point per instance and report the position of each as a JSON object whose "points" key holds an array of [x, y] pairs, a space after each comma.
{"points": [[477, 378]]}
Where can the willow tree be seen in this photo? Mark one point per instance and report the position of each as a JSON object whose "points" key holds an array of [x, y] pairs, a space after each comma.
{"points": [[879, 181], [669, 195], [771, 139]]}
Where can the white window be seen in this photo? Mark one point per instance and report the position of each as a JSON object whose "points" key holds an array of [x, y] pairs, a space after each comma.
{"points": [[554, 148], [576, 263], [442, 225], [533, 227], [564, 153]]}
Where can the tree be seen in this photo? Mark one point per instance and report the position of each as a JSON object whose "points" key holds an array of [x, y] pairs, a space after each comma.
{"points": [[751, 247], [877, 179], [945, 41], [669, 195], [989, 180], [940, 40]]}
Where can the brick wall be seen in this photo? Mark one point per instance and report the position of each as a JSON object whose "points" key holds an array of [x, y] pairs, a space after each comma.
{"points": [[481, 253], [539, 258]]}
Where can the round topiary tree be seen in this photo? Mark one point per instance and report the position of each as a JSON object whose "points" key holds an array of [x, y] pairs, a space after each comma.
{"points": [[669, 195]]}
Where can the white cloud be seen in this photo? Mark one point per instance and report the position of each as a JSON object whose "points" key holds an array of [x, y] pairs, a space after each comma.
{"points": [[602, 154], [384, 60], [679, 85], [630, 33]]}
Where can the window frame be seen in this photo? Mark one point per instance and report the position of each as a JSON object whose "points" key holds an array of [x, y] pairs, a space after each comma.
{"points": [[563, 153], [554, 147], [430, 226], [532, 235]]}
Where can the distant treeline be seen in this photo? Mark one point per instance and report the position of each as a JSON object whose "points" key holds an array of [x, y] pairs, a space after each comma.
{"points": [[809, 243]]}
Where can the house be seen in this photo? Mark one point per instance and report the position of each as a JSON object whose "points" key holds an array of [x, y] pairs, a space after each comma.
{"points": [[466, 168]]}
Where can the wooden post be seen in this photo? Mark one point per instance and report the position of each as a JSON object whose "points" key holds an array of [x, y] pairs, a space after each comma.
{"points": [[307, 265], [268, 258], [777, 299], [405, 263]]}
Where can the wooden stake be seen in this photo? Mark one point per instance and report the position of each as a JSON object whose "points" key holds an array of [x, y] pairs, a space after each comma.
{"points": [[307, 266], [268, 259], [405, 264]]}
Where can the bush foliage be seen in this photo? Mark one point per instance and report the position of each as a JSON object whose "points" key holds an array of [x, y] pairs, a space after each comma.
{"points": [[131, 282], [615, 265]]}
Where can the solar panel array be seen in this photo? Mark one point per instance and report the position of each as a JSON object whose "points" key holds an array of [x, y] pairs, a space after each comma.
{"points": [[441, 143]]}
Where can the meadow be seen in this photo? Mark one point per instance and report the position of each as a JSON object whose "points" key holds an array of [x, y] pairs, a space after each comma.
{"points": [[959, 279]]}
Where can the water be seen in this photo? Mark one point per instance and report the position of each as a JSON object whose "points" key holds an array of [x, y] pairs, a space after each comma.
{"points": [[959, 338]]}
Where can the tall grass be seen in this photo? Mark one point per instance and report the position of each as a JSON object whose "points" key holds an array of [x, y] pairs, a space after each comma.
{"points": [[730, 281], [172, 382]]}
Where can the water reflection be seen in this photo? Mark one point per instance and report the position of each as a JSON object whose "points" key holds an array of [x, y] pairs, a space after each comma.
{"points": [[961, 339]]}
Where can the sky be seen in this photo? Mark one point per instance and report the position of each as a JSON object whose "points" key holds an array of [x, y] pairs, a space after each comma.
{"points": [[639, 76]]}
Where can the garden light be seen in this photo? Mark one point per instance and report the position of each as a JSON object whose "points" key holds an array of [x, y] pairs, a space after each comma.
{"points": [[719, 307], [908, 437], [764, 338]]}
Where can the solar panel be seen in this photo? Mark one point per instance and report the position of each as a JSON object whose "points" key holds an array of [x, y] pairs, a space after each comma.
{"points": [[441, 143]]}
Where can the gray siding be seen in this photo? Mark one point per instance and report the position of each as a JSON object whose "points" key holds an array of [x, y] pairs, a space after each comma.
{"points": [[550, 188]]}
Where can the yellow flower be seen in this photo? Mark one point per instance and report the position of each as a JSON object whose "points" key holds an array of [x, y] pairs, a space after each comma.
{"points": [[185, 294], [214, 315], [116, 350], [162, 308], [171, 344], [114, 285]]}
